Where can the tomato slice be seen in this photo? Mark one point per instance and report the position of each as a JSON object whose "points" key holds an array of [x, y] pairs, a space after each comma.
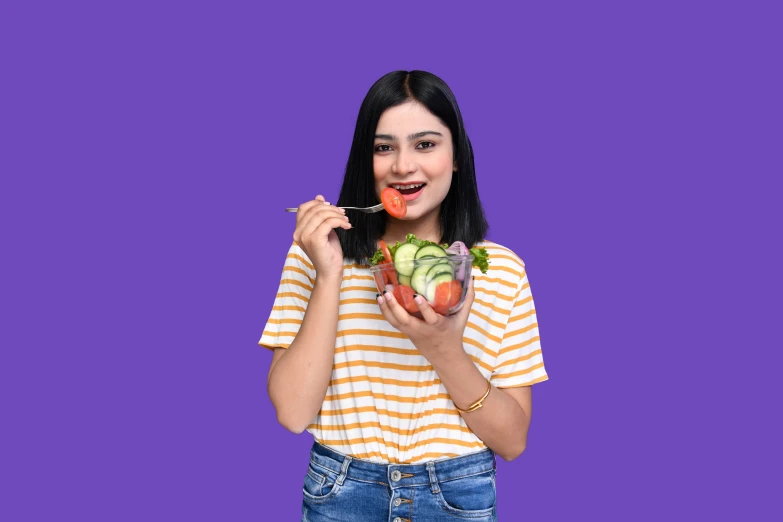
{"points": [[394, 203], [380, 280], [389, 274], [456, 294], [447, 295], [404, 295], [387, 257]]}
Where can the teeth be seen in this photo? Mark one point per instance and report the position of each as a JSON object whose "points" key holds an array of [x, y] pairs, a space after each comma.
{"points": [[399, 187]]}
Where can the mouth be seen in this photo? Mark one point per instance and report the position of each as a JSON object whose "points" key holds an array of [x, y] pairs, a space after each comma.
{"points": [[408, 189]]}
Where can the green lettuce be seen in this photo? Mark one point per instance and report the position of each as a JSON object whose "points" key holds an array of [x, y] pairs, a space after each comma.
{"points": [[480, 259], [480, 255]]}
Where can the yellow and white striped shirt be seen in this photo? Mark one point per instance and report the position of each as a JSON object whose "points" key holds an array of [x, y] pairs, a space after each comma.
{"points": [[385, 402]]}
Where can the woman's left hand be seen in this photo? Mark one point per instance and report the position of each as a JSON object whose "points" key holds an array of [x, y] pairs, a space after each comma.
{"points": [[434, 335]]}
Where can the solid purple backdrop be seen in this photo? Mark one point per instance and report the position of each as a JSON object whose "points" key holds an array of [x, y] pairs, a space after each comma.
{"points": [[147, 155]]}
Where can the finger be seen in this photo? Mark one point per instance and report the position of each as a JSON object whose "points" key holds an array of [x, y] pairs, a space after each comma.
{"points": [[305, 209], [318, 216], [326, 226], [386, 311], [464, 312], [396, 309], [429, 315], [306, 229], [315, 215]]}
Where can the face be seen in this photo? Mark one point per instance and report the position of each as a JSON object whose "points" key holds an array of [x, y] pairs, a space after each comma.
{"points": [[413, 153]]}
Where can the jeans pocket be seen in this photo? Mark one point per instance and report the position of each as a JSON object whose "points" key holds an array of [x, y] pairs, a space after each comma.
{"points": [[470, 497], [320, 484]]}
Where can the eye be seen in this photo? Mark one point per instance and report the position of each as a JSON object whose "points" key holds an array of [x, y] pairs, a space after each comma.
{"points": [[382, 148], [425, 145]]}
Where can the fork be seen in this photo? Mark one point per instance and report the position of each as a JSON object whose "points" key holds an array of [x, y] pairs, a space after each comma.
{"points": [[368, 210]]}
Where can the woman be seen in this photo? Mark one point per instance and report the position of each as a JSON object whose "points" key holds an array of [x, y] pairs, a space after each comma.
{"points": [[407, 413]]}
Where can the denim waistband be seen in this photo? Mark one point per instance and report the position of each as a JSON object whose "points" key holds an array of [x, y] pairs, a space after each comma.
{"points": [[403, 475]]}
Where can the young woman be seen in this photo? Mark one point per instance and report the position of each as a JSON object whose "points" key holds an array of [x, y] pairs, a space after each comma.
{"points": [[407, 413]]}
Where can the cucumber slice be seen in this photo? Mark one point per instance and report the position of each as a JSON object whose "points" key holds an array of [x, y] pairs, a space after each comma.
{"points": [[440, 268], [428, 261], [429, 292], [419, 278], [404, 280], [430, 250], [403, 258]]}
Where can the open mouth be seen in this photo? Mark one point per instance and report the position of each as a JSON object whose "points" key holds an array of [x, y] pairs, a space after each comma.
{"points": [[409, 189]]}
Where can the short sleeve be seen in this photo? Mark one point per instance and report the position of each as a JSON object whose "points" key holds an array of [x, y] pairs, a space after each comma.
{"points": [[520, 361], [293, 294]]}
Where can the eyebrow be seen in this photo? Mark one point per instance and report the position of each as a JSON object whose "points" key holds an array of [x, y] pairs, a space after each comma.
{"points": [[412, 137]]}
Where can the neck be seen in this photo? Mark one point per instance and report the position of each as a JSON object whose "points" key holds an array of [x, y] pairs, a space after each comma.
{"points": [[426, 227]]}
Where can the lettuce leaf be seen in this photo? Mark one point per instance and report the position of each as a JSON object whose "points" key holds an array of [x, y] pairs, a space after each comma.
{"points": [[377, 257], [480, 255], [410, 238], [480, 259]]}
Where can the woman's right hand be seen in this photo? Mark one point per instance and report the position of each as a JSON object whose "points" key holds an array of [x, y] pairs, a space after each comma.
{"points": [[315, 224]]}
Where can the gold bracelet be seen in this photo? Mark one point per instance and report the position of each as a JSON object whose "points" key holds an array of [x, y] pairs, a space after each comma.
{"points": [[478, 404]]}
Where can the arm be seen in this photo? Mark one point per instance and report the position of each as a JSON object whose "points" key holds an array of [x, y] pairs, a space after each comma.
{"points": [[299, 375], [503, 420]]}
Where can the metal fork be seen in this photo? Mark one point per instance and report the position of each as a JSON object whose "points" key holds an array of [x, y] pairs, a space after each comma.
{"points": [[368, 210]]}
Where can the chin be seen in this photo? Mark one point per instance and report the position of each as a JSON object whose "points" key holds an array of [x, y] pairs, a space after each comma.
{"points": [[412, 214]]}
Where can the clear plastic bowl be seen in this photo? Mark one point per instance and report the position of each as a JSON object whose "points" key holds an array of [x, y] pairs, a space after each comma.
{"points": [[442, 281]]}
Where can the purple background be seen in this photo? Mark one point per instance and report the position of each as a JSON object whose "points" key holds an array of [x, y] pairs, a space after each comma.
{"points": [[625, 152]]}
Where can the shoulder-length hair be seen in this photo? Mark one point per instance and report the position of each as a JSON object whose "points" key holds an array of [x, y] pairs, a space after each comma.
{"points": [[461, 213]]}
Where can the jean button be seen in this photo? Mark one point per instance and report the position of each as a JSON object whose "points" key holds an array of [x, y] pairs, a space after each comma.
{"points": [[397, 519], [397, 502], [396, 475]]}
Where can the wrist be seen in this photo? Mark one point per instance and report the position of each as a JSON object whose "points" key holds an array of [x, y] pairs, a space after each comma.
{"points": [[476, 405], [443, 353], [329, 280]]}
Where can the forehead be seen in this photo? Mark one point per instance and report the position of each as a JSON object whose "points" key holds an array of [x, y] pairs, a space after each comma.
{"points": [[408, 118]]}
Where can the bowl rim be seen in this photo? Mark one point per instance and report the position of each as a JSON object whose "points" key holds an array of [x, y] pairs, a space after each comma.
{"points": [[390, 266]]}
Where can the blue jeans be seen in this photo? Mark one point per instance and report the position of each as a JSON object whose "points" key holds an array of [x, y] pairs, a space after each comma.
{"points": [[339, 488]]}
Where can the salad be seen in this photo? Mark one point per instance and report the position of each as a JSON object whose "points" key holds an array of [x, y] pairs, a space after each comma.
{"points": [[431, 270], [393, 202]]}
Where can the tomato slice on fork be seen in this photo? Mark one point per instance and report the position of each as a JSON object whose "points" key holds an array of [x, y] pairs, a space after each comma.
{"points": [[393, 202]]}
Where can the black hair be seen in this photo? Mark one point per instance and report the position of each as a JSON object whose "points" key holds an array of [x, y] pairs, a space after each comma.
{"points": [[461, 213]]}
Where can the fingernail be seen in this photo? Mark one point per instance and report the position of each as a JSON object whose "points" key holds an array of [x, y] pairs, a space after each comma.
{"points": [[418, 299], [380, 300], [377, 296], [387, 295], [346, 218]]}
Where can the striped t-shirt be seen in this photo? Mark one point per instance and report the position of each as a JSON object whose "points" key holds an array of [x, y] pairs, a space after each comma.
{"points": [[385, 402]]}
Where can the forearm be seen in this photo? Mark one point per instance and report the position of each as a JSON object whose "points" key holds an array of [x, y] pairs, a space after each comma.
{"points": [[501, 422], [298, 382]]}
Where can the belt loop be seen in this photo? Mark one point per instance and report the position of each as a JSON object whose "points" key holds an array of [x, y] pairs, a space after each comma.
{"points": [[433, 477], [344, 470]]}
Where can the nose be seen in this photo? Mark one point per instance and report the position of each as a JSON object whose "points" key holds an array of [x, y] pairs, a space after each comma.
{"points": [[403, 164]]}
